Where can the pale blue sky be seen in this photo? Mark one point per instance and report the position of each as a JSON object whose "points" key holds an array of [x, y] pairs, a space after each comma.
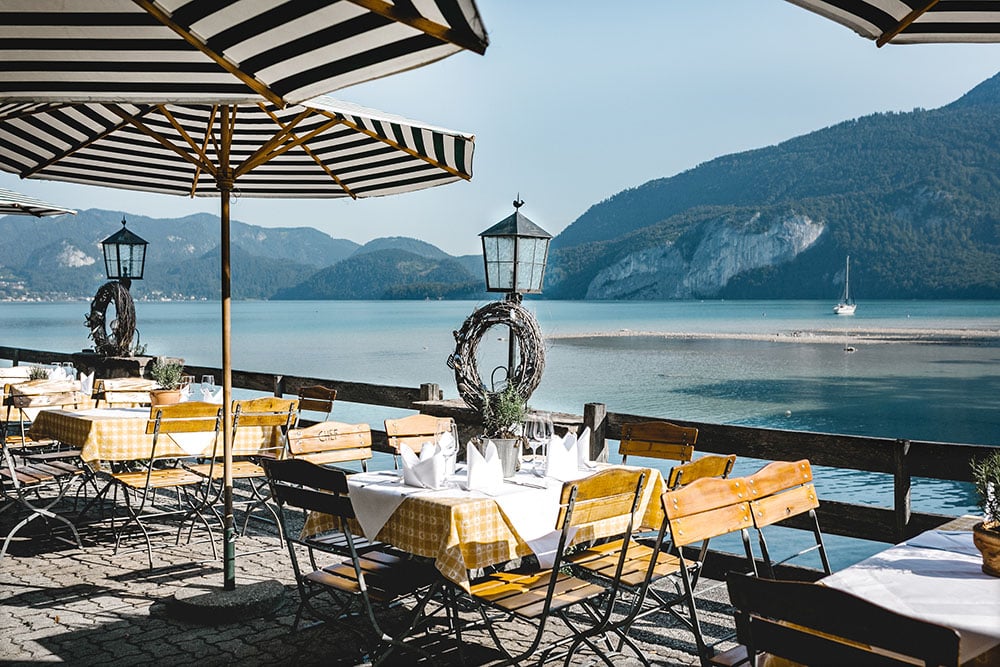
{"points": [[576, 100]]}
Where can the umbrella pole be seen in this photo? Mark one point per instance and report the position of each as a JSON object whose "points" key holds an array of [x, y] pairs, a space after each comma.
{"points": [[225, 183]]}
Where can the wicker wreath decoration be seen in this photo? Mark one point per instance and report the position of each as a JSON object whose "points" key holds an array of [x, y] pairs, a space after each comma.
{"points": [[525, 376], [117, 341]]}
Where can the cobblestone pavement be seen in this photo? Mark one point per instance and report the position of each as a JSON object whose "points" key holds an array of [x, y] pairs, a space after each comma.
{"points": [[61, 604]]}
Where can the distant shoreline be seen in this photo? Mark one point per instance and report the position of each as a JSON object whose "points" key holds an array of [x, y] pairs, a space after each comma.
{"points": [[816, 336]]}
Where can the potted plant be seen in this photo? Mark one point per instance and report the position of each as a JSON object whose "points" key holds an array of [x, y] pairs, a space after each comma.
{"points": [[502, 415], [986, 533], [37, 373], [167, 374]]}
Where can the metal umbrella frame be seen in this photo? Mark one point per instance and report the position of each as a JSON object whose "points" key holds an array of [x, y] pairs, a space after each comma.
{"points": [[913, 21], [14, 203], [118, 93]]}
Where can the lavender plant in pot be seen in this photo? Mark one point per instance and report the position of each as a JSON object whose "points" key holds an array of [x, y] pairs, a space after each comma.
{"points": [[986, 533], [502, 416]]}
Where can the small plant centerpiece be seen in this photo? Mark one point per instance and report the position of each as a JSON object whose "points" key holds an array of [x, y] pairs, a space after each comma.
{"points": [[167, 374], [38, 373], [502, 415], [986, 534]]}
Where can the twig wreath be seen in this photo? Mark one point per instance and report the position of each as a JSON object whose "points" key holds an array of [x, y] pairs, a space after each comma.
{"points": [[526, 374], [118, 340]]}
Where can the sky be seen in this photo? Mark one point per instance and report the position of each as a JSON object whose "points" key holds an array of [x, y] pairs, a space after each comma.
{"points": [[576, 100]]}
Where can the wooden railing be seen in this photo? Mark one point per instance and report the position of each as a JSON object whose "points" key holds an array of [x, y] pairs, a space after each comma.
{"points": [[903, 459]]}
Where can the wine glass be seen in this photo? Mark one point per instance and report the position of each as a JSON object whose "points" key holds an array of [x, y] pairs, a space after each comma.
{"points": [[538, 430], [207, 385]]}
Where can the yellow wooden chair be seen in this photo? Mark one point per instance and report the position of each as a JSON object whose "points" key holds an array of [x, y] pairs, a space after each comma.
{"points": [[414, 431], [331, 442], [658, 440], [316, 400]]}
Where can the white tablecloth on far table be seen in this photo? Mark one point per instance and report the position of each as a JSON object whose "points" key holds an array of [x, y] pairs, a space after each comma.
{"points": [[937, 576]]}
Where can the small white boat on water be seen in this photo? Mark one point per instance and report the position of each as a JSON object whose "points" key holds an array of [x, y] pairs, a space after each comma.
{"points": [[846, 305]]}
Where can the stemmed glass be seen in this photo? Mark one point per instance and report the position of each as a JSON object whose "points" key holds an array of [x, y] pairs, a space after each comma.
{"points": [[207, 386], [538, 430], [187, 382]]}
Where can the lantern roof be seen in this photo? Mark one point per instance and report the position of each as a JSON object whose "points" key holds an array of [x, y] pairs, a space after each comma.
{"points": [[517, 224], [124, 237]]}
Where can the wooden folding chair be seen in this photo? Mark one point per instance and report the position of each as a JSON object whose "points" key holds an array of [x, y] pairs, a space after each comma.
{"points": [[813, 624], [648, 561], [275, 416], [317, 400], [414, 431], [779, 491], [23, 401], [36, 487], [657, 440], [144, 479], [534, 595], [331, 442], [704, 509], [373, 576]]}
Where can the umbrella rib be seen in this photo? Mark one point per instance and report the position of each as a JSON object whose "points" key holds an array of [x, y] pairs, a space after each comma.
{"points": [[442, 32], [159, 138], [301, 142], [184, 134], [90, 140], [263, 154], [905, 23], [204, 148], [409, 151], [255, 85]]}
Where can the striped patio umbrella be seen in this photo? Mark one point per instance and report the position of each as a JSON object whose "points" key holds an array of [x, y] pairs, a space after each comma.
{"points": [[321, 148], [211, 99], [234, 51], [913, 21], [14, 203]]}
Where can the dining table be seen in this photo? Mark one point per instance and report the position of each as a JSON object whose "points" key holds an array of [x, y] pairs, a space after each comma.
{"points": [[464, 529], [119, 434], [936, 576]]}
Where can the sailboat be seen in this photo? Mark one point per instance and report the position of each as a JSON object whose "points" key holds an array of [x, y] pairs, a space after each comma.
{"points": [[846, 305]]}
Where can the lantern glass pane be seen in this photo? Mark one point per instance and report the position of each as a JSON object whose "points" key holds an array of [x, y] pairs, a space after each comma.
{"points": [[499, 255]]}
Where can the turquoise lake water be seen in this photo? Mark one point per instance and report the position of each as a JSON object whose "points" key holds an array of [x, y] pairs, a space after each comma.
{"points": [[900, 390]]}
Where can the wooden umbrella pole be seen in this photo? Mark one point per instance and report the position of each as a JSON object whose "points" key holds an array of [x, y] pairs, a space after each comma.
{"points": [[225, 182]]}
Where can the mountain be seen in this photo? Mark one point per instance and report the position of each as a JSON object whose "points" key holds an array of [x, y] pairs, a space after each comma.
{"points": [[390, 273], [912, 197], [414, 246]]}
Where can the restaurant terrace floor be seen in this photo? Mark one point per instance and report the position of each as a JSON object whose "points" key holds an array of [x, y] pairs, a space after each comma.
{"points": [[61, 604]]}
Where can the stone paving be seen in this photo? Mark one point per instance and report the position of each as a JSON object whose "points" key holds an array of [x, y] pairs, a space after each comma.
{"points": [[61, 604]]}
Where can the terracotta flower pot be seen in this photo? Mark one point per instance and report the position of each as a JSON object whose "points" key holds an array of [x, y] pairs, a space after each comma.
{"points": [[164, 397], [986, 537]]}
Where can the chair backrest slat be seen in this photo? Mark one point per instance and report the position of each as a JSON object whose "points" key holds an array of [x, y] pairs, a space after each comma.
{"points": [[811, 623], [307, 486], [778, 476], [710, 465], [415, 430], [658, 440], [267, 411], [317, 398], [189, 417], [706, 508], [329, 436], [607, 495]]}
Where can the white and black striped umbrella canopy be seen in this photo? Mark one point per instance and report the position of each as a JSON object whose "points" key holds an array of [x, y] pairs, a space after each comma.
{"points": [[285, 51], [322, 148], [913, 21], [14, 203]]}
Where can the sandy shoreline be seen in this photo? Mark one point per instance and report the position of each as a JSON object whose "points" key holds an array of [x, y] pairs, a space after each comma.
{"points": [[816, 336]]}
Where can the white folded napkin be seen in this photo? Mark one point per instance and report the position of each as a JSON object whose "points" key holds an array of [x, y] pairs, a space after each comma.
{"points": [[428, 470], [561, 460], [485, 472], [208, 396], [583, 450], [87, 384], [58, 374]]}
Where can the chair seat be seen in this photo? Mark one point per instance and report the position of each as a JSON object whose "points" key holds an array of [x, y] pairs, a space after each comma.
{"points": [[58, 455], [524, 594], [241, 470], [602, 559], [158, 479], [387, 577]]}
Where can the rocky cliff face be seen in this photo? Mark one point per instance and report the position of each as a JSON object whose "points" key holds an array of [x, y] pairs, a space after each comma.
{"points": [[727, 248]]}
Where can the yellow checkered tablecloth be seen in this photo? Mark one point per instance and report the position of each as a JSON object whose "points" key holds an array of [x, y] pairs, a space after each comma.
{"points": [[120, 435], [464, 533]]}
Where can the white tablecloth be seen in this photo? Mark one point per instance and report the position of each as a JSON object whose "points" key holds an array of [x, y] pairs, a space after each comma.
{"points": [[937, 576]]}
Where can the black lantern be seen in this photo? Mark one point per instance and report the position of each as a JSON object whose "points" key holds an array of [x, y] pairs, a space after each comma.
{"points": [[124, 255], [515, 251]]}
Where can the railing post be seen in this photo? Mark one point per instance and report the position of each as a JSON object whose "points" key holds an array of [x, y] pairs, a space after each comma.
{"points": [[901, 488], [279, 386], [430, 392], [595, 415], [16, 359]]}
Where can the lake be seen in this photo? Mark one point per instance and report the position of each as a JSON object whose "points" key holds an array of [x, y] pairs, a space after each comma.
{"points": [[898, 390]]}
